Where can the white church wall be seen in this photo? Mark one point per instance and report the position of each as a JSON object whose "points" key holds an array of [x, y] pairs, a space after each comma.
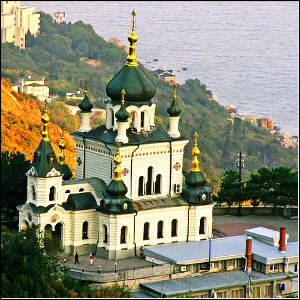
{"points": [[42, 189], [196, 213], [166, 215]]}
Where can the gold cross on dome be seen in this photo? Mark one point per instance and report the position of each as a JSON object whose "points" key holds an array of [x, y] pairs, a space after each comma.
{"points": [[195, 135], [175, 91], [86, 87], [123, 97], [133, 15]]}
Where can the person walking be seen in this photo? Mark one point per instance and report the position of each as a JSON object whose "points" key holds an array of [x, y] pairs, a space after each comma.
{"points": [[92, 258], [76, 258]]}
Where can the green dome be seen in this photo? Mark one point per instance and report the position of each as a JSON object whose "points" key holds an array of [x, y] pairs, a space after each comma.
{"points": [[138, 86], [174, 110], [85, 105], [195, 179], [117, 188], [194, 188], [122, 114]]}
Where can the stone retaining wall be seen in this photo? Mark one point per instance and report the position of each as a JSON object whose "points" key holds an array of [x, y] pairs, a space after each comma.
{"points": [[245, 211]]}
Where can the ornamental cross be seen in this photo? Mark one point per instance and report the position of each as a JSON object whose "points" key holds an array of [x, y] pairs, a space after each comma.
{"points": [[125, 171], [133, 15], [196, 135], [177, 166], [123, 97], [175, 91], [86, 87]]}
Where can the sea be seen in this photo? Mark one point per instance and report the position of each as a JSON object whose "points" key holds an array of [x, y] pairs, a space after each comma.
{"points": [[246, 52]]}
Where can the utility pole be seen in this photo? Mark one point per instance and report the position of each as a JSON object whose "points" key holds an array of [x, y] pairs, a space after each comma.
{"points": [[240, 164]]}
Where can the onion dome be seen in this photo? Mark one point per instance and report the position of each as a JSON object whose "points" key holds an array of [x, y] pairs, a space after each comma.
{"points": [[85, 105], [174, 109], [122, 114], [139, 87], [115, 201], [44, 159], [196, 187]]}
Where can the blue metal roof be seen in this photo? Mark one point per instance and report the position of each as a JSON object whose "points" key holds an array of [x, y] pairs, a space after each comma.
{"points": [[209, 281], [221, 248]]}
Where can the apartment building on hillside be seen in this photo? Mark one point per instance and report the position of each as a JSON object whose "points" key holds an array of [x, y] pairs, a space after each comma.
{"points": [[16, 21]]}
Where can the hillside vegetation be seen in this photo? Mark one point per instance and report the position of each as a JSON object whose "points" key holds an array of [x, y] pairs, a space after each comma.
{"points": [[21, 126], [62, 53]]}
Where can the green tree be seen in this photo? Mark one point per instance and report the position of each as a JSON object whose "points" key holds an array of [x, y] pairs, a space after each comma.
{"points": [[229, 189], [30, 267], [276, 186], [13, 182]]}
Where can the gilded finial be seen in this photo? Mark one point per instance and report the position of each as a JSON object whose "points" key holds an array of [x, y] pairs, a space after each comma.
{"points": [[117, 161], [86, 87], [133, 15], [62, 147], [195, 153], [123, 97], [45, 120], [132, 38], [174, 97]]}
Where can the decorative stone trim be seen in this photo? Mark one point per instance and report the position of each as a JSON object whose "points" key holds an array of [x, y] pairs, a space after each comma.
{"points": [[32, 172], [53, 173]]}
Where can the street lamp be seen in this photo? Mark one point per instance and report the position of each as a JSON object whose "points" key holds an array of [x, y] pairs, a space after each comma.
{"points": [[152, 265], [99, 269], [240, 163], [116, 267]]}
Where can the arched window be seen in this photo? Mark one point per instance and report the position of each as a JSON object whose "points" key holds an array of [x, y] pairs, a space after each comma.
{"points": [[33, 192], [123, 235], [104, 234], [149, 181], [85, 230], [160, 229], [146, 231], [141, 186], [67, 191], [81, 190], [142, 119], [202, 225], [48, 231], [52, 193], [158, 184], [174, 228]]}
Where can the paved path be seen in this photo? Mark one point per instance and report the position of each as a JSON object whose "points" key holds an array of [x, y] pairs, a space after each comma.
{"points": [[234, 225], [107, 265]]}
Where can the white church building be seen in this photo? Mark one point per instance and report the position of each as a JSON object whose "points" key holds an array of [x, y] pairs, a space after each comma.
{"points": [[129, 190]]}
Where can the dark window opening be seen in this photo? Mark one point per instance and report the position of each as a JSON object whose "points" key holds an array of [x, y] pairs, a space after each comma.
{"points": [[174, 228], [146, 231], [142, 119], [105, 234], [33, 192], [123, 235], [85, 230], [149, 182], [81, 190], [141, 186], [160, 230], [202, 223], [52, 194], [68, 191], [158, 184]]}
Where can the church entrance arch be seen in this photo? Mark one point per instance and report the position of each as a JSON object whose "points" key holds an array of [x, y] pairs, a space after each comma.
{"points": [[58, 232]]}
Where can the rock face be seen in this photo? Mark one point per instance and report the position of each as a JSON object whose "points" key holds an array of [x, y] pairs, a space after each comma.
{"points": [[21, 127]]}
